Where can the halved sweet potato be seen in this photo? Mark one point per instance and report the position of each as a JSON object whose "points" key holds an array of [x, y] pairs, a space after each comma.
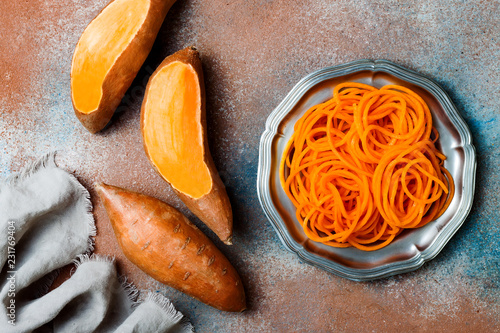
{"points": [[167, 246], [173, 127], [109, 54]]}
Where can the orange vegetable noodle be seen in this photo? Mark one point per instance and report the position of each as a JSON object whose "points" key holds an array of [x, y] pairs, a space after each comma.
{"points": [[363, 166]]}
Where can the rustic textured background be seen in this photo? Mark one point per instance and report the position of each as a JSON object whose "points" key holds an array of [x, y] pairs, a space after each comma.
{"points": [[253, 52]]}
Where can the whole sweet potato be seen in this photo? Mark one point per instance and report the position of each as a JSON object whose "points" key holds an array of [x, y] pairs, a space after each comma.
{"points": [[163, 243]]}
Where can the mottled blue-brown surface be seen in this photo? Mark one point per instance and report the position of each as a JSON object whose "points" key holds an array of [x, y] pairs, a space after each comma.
{"points": [[253, 52]]}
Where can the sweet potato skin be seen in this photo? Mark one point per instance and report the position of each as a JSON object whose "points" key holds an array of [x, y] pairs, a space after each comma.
{"points": [[214, 208], [163, 243], [126, 67]]}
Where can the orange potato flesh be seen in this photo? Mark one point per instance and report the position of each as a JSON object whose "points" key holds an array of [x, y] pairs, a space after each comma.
{"points": [[173, 126], [173, 133], [98, 49]]}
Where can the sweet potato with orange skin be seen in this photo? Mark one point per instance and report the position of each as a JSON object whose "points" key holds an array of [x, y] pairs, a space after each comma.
{"points": [[163, 243], [173, 126], [109, 54]]}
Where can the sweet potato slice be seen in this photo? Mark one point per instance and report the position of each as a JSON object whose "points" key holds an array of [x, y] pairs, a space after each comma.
{"points": [[163, 243], [109, 54], [173, 127]]}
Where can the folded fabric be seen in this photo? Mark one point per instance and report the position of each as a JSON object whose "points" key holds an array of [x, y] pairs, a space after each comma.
{"points": [[45, 224]]}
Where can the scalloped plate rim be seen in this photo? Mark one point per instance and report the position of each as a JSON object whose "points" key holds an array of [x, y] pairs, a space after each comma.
{"points": [[388, 269]]}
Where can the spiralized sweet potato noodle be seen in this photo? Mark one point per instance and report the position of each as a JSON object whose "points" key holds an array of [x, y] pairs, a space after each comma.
{"points": [[362, 166]]}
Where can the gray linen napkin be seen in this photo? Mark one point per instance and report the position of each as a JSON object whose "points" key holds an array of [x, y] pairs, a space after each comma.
{"points": [[45, 224]]}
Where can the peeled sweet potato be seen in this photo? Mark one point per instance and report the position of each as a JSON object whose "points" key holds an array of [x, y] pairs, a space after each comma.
{"points": [[173, 126], [168, 247], [109, 54]]}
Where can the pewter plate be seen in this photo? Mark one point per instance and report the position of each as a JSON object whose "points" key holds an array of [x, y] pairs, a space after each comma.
{"points": [[412, 248]]}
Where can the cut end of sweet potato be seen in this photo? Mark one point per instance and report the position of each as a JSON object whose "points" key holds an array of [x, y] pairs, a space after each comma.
{"points": [[98, 49], [172, 129], [109, 54]]}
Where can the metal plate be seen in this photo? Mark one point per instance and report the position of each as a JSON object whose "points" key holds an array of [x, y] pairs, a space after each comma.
{"points": [[412, 248]]}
